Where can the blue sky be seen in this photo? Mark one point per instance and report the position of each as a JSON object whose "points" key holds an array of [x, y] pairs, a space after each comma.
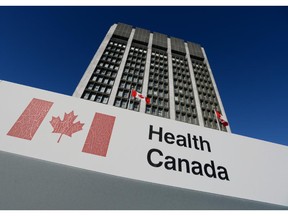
{"points": [[247, 47]]}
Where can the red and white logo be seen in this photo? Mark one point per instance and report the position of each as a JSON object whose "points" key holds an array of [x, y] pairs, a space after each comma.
{"points": [[97, 140]]}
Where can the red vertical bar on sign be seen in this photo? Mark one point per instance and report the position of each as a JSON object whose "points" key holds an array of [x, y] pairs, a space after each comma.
{"points": [[98, 138], [30, 120]]}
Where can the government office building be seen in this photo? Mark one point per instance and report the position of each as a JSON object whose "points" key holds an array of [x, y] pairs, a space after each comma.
{"points": [[175, 74], [139, 170]]}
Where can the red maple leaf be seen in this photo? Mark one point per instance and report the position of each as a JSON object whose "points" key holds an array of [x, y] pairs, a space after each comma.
{"points": [[66, 126]]}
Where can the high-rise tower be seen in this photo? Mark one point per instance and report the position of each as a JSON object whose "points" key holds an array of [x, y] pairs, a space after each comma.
{"points": [[174, 73]]}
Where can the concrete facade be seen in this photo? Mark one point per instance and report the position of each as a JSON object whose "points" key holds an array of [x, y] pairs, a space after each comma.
{"points": [[32, 184], [149, 62]]}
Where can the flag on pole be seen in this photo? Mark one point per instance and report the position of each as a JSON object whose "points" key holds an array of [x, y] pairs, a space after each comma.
{"points": [[221, 118], [136, 94]]}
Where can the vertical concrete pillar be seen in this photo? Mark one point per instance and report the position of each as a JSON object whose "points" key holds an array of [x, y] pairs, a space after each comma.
{"points": [[171, 82]]}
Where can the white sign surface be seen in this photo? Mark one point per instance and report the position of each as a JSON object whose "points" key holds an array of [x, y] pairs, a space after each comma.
{"points": [[102, 138]]}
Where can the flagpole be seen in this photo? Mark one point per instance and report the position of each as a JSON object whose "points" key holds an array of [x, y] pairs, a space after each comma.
{"points": [[217, 119]]}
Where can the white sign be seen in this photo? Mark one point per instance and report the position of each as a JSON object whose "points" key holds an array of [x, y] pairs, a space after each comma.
{"points": [[102, 138]]}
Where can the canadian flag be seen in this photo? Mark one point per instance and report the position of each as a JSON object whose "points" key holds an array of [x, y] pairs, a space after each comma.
{"points": [[221, 118], [136, 94], [34, 114]]}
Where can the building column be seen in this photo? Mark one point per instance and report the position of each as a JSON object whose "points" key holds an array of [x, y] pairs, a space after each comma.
{"points": [[146, 73], [171, 82], [121, 69], [194, 86], [216, 89], [90, 69]]}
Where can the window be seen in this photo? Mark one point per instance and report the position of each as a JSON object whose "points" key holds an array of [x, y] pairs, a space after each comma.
{"points": [[86, 95], [100, 79], [108, 90], [92, 98], [126, 94], [98, 98], [124, 104], [102, 89], [106, 81], [105, 99], [111, 81], [117, 102], [96, 88], [90, 86]]}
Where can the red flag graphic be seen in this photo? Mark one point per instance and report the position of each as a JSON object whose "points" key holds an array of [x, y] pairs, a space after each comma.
{"points": [[98, 138], [30, 120]]}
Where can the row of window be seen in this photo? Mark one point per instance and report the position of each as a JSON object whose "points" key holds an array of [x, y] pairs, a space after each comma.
{"points": [[211, 123], [115, 48], [210, 113], [204, 85], [184, 76], [157, 78], [104, 73], [103, 79], [206, 90], [158, 55], [133, 59], [99, 88], [204, 80], [160, 102], [178, 66], [134, 71], [158, 70], [202, 76], [158, 85], [186, 108], [125, 103], [157, 111], [208, 98], [178, 60], [155, 93], [182, 90], [96, 97], [159, 65], [133, 78], [136, 66], [110, 66], [115, 44], [184, 99], [138, 50], [184, 117], [113, 54]]}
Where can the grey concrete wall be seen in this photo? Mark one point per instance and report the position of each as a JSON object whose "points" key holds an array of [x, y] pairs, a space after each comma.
{"points": [[32, 184], [171, 82]]}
